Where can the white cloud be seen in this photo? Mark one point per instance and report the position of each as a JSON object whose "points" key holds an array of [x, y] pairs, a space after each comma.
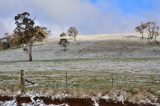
{"points": [[6, 26], [58, 15], [3, 29]]}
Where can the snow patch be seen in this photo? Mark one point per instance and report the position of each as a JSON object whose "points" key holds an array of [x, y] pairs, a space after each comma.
{"points": [[106, 97], [95, 101], [60, 96], [8, 103]]}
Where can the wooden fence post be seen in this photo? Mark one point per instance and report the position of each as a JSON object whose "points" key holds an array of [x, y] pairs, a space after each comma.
{"points": [[66, 79], [112, 79], [22, 80], [125, 81]]}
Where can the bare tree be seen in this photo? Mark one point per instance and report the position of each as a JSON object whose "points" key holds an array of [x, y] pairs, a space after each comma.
{"points": [[73, 32]]}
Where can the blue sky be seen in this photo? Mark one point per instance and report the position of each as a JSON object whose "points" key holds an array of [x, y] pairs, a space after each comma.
{"points": [[89, 16], [126, 6], [131, 6]]}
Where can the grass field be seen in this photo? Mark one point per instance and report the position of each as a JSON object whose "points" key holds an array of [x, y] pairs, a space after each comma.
{"points": [[94, 64]]}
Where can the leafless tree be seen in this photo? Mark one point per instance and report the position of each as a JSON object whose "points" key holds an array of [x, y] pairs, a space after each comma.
{"points": [[73, 32]]}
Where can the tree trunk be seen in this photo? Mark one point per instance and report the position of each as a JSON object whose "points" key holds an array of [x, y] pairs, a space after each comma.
{"points": [[65, 48], [142, 35], [30, 53], [64, 45]]}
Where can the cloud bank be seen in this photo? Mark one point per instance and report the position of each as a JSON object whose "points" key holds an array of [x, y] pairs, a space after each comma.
{"points": [[100, 16]]}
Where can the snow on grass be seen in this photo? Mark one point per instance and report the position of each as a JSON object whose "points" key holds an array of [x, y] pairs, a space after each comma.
{"points": [[106, 97], [61, 96], [8, 103], [95, 101], [90, 55]]}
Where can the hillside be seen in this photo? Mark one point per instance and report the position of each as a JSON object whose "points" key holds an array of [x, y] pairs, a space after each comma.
{"points": [[104, 68], [105, 52]]}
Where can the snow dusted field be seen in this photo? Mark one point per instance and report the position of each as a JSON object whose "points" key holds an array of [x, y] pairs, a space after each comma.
{"points": [[97, 53], [87, 60]]}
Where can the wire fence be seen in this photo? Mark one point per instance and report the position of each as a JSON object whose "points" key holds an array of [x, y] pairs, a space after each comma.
{"points": [[79, 79]]}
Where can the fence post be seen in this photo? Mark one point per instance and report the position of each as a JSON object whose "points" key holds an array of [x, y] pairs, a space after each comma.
{"points": [[66, 79], [112, 79], [22, 80], [125, 81]]}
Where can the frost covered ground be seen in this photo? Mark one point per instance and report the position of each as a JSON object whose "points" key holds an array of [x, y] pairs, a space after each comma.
{"points": [[96, 53], [90, 59]]}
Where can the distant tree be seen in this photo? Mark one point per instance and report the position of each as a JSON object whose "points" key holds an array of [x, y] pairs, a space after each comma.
{"points": [[7, 38], [4, 44], [156, 33], [140, 30], [73, 32], [151, 28], [63, 34], [148, 26], [26, 33], [64, 43]]}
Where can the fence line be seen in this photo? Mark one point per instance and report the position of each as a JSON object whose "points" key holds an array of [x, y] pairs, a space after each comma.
{"points": [[85, 80]]}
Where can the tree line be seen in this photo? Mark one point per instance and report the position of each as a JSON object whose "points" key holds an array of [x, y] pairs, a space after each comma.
{"points": [[27, 33]]}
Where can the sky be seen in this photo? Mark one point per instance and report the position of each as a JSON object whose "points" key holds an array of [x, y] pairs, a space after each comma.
{"points": [[88, 16]]}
